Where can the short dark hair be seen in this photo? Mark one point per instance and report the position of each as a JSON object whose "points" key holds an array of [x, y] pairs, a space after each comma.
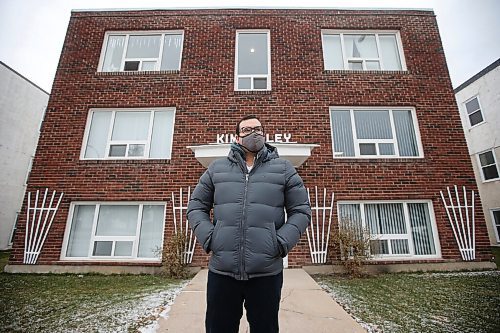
{"points": [[251, 116]]}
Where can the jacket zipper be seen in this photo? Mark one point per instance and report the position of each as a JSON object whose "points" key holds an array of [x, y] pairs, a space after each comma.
{"points": [[243, 229]]}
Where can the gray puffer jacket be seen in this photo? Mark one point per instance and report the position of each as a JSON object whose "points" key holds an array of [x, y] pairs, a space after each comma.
{"points": [[249, 236]]}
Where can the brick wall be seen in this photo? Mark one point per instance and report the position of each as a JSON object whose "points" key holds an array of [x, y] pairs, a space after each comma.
{"points": [[206, 104]]}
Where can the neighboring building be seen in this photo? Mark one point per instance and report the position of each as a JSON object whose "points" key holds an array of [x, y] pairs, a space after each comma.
{"points": [[22, 106], [360, 101], [478, 101]]}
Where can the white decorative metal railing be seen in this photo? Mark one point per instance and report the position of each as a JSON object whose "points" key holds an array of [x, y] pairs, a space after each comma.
{"points": [[35, 235], [183, 228], [318, 245], [464, 231]]}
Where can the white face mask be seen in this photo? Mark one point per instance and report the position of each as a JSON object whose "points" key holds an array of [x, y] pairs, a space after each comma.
{"points": [[253, 142]]}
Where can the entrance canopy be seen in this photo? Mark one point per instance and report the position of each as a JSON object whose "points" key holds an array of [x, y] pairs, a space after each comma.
{"points": [[296, 153]]}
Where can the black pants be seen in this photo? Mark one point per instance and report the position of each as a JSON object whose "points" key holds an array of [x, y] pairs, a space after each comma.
{"points": [[225, 296]]}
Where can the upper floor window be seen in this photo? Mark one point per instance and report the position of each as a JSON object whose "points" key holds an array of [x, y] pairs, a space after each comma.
{"points": [[362, 50], [374, 132], [488, 164], [141, 51], [253, 60], [129, 134], [474, 111]]}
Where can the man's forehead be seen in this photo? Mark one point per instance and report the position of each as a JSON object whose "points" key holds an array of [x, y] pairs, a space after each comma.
{"points": [[250, 122]]}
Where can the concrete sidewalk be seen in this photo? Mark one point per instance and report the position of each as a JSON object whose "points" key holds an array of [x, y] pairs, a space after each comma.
{"points": [[305, 307]]}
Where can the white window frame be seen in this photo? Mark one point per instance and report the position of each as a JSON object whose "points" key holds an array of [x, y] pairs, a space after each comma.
{"points": [[492, 150], [494, 223], [411, 256], [127, 142], [127, 34], [357, 141], [345, 61], [94, 238], [252, 76], [467, 115]]}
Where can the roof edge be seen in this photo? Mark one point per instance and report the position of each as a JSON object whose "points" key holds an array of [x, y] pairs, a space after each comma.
{"points": [[474, 78], [23, 77], [246, 7]]}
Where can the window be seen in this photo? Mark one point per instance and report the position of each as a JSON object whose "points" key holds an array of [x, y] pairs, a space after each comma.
{"points": [[495, 213], [253, 60], [141, 51], [373, 132], [114, 231], [474, 111], [397, 229], [362, 51], [129, 134], [489, 169]]}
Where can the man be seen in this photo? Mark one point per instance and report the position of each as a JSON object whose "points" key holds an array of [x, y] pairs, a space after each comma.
{"points": [[248, 190]]}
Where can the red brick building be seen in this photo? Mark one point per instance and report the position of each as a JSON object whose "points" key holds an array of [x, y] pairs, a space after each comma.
{"points": [[359, 100]]}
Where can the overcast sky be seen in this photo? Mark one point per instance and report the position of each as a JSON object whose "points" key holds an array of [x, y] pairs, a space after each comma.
{"points": [[32, 31]]}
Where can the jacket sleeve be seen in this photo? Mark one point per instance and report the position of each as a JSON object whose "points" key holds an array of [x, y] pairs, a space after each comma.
{"points": [[198, 210], [298, 210]]}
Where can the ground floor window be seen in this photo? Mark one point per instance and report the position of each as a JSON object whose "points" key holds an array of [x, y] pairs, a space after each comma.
{"points": [[114, 231], [496, 222], [396, 229]]}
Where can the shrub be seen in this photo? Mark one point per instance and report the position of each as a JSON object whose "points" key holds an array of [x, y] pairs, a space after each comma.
{"points": [[354, 244], [173, 265]]}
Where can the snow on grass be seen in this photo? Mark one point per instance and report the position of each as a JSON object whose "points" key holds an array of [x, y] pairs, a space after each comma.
{"points": [[84, 303], [420, 302]]}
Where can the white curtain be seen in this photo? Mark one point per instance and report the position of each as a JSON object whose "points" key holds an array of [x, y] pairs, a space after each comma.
{"points": [[161, 138], [81, 229], [420, 221], [332, 52], [117, 220], [373, 124], [171, 57], [252, 53], [131, 125], [342, 132], [114, 52], [98, 135], [389, 51], [151, 230], [143, 46], [405, 133]]}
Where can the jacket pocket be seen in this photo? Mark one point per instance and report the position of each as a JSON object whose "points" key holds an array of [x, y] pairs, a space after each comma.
{"points": [[277, 251], [215, 242]]}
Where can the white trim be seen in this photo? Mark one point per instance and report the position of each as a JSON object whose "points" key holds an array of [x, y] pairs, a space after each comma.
{"points": [[394, 140], [147, 142], [93, 237], [480, 166], [494, 223], [408, 235], [127, 34], [253, 76], [376, 33]]}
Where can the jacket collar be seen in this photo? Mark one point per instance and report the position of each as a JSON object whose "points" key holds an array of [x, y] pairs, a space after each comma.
{"points": [[266, 153]]}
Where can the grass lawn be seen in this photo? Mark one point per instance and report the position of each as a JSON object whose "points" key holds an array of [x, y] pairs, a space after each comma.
{"points": [[82, 303], [420, 302]]}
